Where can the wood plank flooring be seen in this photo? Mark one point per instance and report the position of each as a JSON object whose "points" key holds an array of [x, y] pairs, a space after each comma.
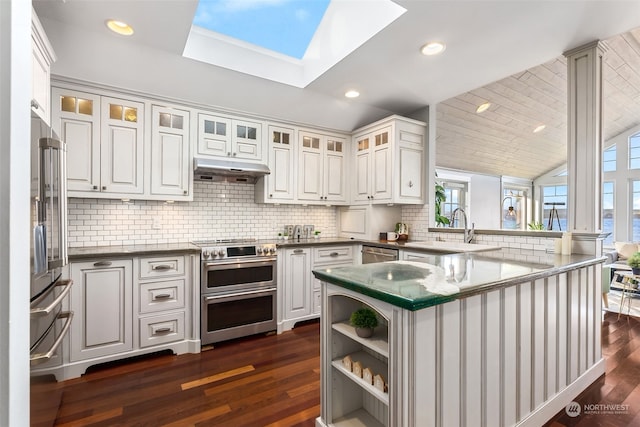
{"points": [[274, 381]]}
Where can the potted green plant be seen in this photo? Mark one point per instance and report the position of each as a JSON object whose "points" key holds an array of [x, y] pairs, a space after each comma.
{"points": [[316, 234], [364, 320], [634, 263], [440, 198]]}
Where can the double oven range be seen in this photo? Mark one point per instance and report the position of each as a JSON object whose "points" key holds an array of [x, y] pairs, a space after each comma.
{"points": [[238, 289]]}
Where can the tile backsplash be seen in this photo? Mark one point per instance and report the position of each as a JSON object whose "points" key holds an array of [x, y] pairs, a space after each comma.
{"points": [[219, 210]]}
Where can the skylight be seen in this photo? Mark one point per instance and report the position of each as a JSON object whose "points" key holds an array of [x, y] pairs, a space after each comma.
{"points": [[285, 26], [342, 27]]}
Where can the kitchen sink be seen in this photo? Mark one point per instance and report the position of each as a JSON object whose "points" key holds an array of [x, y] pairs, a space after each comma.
{"points": [[451, 247]]}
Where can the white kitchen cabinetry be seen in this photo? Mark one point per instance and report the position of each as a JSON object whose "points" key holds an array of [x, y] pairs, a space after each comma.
{"points": [[389, 162], [127, 307], [279, 186], [347, 399], [299, 290], [104, 137], [321, 168], [101, 299], [228, 137], [171, 174], [297, 286], [42, 56]]}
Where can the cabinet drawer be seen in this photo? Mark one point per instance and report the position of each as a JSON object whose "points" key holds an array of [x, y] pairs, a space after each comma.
{"points": [[161, 329], [332, 255], [161, 296], [161, 267]]}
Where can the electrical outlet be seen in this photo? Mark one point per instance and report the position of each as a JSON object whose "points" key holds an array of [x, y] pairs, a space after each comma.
{"points": [[156, 223]]}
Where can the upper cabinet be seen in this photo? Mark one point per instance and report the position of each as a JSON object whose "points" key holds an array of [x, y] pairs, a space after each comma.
{"points": [[390, 162], [170, 162], [279, 186], [42, 56], [230, 138], [321, 168], [121, 148], [104, 138]]}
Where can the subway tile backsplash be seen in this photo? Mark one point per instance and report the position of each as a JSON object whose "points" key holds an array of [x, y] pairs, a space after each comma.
{"points": [[227, 210], [219, 210]]}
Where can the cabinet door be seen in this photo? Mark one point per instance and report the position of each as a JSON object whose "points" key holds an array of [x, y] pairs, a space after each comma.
{"points": [[121, 150], [382, 166], [40, 79], [361, 186], [101, 298], [246, 140], [411, 174], [310, 167], [214, 135], [281, 148], [297, 287], [170, 152], [334, 170], [76, 119]]}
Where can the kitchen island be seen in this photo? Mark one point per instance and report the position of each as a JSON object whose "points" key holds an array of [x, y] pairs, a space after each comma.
{"points": [[464, 339]]}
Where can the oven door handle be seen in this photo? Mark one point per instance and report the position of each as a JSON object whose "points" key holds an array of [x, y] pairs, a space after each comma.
{"points": [[239, 294], [38, 358]]}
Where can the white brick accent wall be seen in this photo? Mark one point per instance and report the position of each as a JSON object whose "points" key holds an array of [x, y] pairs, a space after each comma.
{"points": [[218, 210]]}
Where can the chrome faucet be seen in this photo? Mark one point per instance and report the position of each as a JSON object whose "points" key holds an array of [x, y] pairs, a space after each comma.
{"points": [[468, 233]]}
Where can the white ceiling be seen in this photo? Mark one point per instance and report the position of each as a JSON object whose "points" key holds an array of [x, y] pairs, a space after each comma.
{"points": [[486, 41]]}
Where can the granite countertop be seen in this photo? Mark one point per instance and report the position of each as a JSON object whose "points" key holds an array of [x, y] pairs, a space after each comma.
{"points": [[131, 250], [437, 279]]}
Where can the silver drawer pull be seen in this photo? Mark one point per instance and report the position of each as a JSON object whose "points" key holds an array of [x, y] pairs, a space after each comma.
{"points": [[162, 330], [102, 264], [334, 254], [161, 267], [162, 296], [42, 311], [298, 251], [38, 358]]}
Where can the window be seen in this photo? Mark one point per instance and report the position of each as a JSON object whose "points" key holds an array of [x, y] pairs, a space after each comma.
{"points": [[634, 151], [609, 159], [456, 197], [635, 217], [514, 202], [608, 211], [554, 207]]}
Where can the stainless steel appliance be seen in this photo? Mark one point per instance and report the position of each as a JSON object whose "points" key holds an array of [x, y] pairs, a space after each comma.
{"points": [[238, 289], [371, 254], [49, 324]]}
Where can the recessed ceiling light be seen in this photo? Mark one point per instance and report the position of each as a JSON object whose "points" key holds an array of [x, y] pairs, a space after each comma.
{"points": [[483, 107], [119, 27], [352, 94], [432, 48], [539, 128]]}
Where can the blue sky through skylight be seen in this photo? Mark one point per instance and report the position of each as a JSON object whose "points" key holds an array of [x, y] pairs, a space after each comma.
{"points": [[285, 26]]}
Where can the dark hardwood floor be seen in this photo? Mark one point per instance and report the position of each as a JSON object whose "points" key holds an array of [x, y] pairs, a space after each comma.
{"points": [[275, 381]]}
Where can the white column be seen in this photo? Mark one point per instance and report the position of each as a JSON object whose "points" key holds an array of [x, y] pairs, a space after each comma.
{"points": [[584, 144], [15, 95]]}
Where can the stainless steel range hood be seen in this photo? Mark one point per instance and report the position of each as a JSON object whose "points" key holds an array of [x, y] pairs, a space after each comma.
{"points": [[228, 170]]}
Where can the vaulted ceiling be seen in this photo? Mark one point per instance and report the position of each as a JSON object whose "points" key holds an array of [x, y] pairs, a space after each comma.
{"points": [[501, 141], [486, 41]]}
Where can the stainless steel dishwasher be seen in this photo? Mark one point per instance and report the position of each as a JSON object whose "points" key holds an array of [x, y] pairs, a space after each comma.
{"points": [[371, 254]]}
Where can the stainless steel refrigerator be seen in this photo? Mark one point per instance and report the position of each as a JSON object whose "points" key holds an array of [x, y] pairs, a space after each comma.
{"points": [[49, 323]]}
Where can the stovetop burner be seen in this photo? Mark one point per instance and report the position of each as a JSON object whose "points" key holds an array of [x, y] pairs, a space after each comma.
{"points": [[223, 249]]}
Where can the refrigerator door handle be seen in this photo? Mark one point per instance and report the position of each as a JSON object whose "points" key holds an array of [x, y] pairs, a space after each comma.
{"points": [[39, 249]]}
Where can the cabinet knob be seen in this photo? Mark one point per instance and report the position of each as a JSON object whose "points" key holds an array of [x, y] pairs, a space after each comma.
{"points": [[104, 187], [184, 192], [410, 184], [95, 187], [228, 153], [234, 154], [34, 104], [270, 195]]}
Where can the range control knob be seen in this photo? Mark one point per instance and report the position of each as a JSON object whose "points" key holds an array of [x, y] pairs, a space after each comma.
{"points": [[206, 254], [221, 253], [259, 250], [272, 250]]}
